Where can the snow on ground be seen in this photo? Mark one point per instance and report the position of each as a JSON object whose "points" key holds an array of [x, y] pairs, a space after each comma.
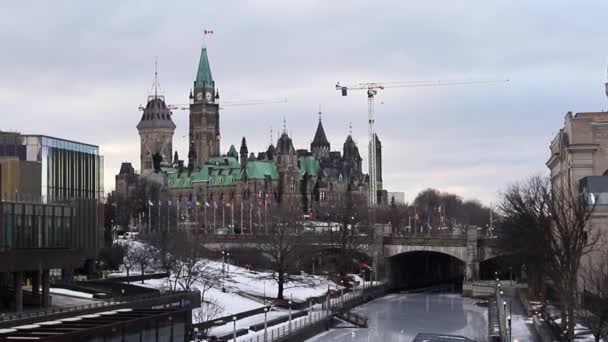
{"points": [[71, 293], [231, 302]]}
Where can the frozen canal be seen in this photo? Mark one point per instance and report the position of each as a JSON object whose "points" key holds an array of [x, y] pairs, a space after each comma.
{"points": [[399, 317]]}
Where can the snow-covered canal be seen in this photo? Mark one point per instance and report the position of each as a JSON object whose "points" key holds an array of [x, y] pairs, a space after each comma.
{"points": [[399, 317]]}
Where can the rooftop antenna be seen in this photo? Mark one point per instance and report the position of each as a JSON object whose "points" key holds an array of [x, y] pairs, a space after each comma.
{"points": [[155, 77], [271, 135]]}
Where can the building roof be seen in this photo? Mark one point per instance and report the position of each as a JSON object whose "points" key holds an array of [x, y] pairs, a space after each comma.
{"points": [[320, 138], [223, 171], [259, 169], [232, 152], [203, 73], [308, 165], [156, 114]]}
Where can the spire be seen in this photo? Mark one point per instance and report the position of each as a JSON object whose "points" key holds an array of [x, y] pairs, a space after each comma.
{"points": [[320, 138], [203, 73], [155, 82], [350, 128], [284, 125], [319, 113]]}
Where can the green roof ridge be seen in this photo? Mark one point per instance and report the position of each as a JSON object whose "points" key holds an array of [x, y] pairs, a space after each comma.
{"points": [[203, 73]]}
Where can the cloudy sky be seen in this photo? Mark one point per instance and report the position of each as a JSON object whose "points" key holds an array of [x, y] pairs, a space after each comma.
{"points": [[79, 70]]}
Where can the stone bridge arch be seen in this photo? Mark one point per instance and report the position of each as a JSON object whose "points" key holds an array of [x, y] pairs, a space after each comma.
{"points": [[459, 253]]}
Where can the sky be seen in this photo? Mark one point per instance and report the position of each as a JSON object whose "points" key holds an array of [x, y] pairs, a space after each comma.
{"points": [[80, 69]]}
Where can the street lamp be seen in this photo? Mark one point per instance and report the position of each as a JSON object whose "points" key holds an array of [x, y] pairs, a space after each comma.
{"points": [[342, 292], [265, 324], [196, 334], [290, 316], [234, 328]]}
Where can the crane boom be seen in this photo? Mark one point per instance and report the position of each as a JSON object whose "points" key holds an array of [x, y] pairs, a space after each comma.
{"points": [[372, 90]]}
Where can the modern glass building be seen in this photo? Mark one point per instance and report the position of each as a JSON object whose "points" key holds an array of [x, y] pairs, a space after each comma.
{"points": [[69, 169]]}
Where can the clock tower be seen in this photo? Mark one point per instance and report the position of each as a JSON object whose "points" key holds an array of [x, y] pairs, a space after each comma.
{"points": [[204, 113]]}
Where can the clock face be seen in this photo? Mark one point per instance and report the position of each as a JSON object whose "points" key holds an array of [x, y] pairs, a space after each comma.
{"points": [[209, 96], [199, 96]]}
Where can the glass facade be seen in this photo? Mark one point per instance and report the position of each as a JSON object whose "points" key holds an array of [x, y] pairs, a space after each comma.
{"points": [[69, 169], [28, 225]]}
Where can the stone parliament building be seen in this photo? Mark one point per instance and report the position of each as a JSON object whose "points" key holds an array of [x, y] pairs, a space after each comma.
{"points": [[313, 181]]}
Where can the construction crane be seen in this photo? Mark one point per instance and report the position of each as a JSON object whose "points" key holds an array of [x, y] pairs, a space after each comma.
{"points": [[372, 90], [182, 106], [231, 104]]}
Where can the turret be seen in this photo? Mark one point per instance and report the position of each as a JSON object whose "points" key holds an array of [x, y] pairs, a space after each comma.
{"points": [[243, 152]]}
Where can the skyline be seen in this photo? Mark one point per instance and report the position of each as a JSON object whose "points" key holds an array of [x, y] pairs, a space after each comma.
{"points": [[470, 140]]}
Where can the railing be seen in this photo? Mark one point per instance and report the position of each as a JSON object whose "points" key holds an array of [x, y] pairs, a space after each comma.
{"points": [[287, 330], [109, 303]]}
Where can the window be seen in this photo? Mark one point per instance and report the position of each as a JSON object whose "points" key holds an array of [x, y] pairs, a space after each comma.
{"points": [[322, 195]]}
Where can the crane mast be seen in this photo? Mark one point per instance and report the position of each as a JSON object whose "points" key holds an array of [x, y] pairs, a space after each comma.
{"points": [[372, 91]]}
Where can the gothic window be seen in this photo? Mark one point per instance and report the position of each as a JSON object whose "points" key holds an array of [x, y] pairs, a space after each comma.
{"points": [[322, 195]]}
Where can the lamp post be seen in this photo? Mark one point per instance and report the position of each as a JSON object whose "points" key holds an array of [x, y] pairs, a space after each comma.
{"points": [[342, 293], [234, 328], [265, 323], [290, 316], [509, 321], [223, 271]]}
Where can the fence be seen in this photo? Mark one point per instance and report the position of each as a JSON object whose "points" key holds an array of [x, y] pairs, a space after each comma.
{"points": [[285, 331]]}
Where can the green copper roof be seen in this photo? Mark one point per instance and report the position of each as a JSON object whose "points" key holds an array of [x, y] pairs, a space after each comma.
{"points": [[308, 164], [179, 180], [226, 172], [203, 74], [168, 169], [232, 152], [227, 161], [259, 169]]}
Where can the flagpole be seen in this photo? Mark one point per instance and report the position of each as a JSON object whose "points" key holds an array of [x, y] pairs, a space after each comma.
{"points": [[196, 214], [250, 216], [149, 216]]}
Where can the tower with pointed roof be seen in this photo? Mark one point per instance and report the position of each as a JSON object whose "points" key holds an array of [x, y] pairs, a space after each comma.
{"points": [[320, 145], [204, 113], [243, 152], [156, 130]]}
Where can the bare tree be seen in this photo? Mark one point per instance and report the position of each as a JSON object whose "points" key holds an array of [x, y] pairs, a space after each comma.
{"points": [[556, 218], [208, 311], [526, 225], [353, 234], [192, 264], [283, 245], [142, 256], [594, 311], [129, 258], [571, 239]]}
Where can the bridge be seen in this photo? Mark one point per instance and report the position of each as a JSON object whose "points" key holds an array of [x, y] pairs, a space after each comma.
{"points": [[395, 258]]}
